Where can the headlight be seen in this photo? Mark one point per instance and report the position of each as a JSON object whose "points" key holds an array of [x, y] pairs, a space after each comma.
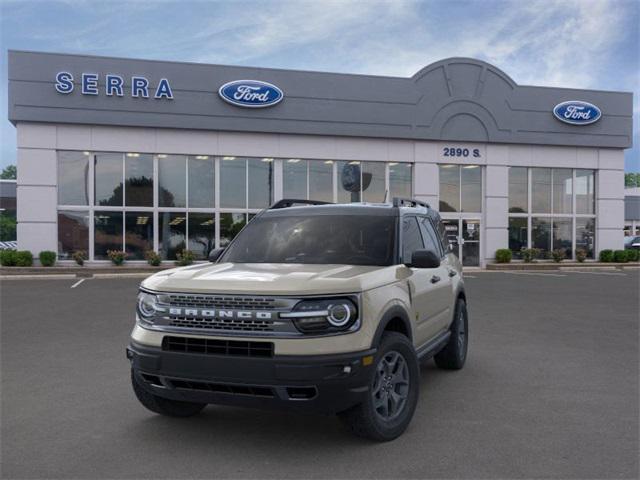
{"points": [[147, 306], [324, 315]]}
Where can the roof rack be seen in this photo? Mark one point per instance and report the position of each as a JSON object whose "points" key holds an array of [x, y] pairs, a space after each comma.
{"points": [[290, 202], [409, 202]]}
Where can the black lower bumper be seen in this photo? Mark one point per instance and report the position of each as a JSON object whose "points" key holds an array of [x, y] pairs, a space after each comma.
{"points": [[318, 384]]}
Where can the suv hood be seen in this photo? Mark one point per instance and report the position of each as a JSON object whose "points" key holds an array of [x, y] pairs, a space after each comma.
{"points": [[271, 278]]}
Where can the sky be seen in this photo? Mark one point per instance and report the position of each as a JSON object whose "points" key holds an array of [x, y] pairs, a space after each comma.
{"points": [[567, 43]]}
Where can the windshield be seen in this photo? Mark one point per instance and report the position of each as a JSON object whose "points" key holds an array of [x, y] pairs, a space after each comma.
{"points": [[322, 239]]}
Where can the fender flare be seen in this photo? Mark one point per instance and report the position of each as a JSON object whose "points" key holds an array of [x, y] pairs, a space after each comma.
{"points": [[395, 311]]}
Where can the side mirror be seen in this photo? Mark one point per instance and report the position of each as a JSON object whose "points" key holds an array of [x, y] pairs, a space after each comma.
{"points": [[214, 254], [424, 259]]}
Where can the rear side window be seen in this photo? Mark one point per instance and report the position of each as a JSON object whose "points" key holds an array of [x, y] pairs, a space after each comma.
{"points": [[431, 240], [411, 238]]}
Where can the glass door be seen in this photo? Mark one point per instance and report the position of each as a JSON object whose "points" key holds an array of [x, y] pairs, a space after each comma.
{"points": [[452, 227], [464, 236]]}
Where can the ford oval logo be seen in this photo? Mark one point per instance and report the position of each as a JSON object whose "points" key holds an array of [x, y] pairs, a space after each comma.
{"points": [[250, 93], [577, 112]]}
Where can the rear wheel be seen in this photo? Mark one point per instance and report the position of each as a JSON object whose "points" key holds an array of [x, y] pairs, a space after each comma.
{"points": [[393, 392], [454, 354], [164, 406]]}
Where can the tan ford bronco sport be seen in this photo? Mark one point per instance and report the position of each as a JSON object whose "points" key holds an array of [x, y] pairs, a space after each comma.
{"points": [[313, 307]]}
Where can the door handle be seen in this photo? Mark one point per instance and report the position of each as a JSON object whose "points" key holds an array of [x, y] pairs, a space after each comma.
{"points": [[452, 273], [435, 279]]}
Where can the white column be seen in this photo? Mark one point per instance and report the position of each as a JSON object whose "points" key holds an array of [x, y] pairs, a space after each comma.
{"points": [[37, 188], [496, 210], [426, 178], [610, 200]]}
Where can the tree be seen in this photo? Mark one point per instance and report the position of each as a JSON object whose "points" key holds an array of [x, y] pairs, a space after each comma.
{"points": [[9, 173], [632, 180]]}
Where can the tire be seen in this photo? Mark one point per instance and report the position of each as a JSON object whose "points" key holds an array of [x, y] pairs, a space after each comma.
{"points": [[368, 420], [454, 353], [164, 406]]}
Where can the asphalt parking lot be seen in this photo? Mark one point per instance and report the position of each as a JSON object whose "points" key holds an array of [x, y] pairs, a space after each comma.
{"points": [[550, 390]]}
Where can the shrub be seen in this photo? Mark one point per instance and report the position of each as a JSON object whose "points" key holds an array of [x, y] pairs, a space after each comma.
{"points": [[503, 255], [117, 256], [558, 255], [620, 256], [79, 256], [185, 257], [606, 256], [581, 254], [24, 258], [152, 258], [530, 254], [7, 258], [633, 255], [47, 258]]}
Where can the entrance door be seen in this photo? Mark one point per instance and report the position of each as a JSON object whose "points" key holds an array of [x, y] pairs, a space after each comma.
{"points": [[464, 236]]}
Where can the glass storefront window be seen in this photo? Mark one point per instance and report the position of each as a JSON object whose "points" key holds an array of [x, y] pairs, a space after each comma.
{"points": [[585, 235], [373, 181], [541, 190], [294, 178], [172, 234], [400, 179], [73, 233], [562, 190], [108, 179], [349, 178], [449, 188], [107, 233], [230, 226], [541, 235], [233, 182], [202, 234], [321, 180], [260, 182], [517, 235], [471, 188], [201, 182], [562, 235], [172, 185], [585, 192], [138, 236], [73, 178], [518, 190], [138, 173]]}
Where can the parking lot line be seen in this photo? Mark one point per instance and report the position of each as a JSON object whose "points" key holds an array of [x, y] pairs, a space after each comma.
{"points": [[538, 274], [599, 273], [78, 283]]}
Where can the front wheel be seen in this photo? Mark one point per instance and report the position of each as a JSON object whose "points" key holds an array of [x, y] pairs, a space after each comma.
{"points": [[393, 392], [164, 406], [454, 353]]}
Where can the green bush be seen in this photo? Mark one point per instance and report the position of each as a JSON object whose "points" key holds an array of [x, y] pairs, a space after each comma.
{"points": [[620, 256], [185, 257], [47, 258], [606, 256], [24, 258], [581, 254], [558, 255], [152, 258], [503, 255], [531, 254], [117, 256], [79, 256], [7, 258], [633, 255]]}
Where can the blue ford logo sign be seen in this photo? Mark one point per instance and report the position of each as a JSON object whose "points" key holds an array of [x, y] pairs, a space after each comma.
{"points": [[250, 93], [576, 112]]}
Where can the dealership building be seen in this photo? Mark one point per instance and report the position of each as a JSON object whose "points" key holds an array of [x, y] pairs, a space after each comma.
{"points": [[141, 155]]}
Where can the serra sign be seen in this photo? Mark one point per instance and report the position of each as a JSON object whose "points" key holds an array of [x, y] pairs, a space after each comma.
{"points": [[113, 85]]}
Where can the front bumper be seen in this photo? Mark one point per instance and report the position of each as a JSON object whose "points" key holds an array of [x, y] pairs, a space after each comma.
{"points": [[317, 384]]}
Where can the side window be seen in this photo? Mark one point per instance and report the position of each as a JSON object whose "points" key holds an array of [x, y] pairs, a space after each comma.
{"points": [[431, 241], [411, 238]]}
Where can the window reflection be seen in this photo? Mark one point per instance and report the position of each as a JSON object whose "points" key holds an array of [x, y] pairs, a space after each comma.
{"points": [[73, 233], [138, 234], [541, 235], [373, 181], [562, 235], [73, 178], [517, 235], [562, 190], [230, 226], [321, 180], [449, 188], [471, 178], [585, 235], [541, 190], [518, 190], [233, 182], [138, 180], [202, 234], [294, 178], [172, 181], [585, 191], [201, 182], [108, 233], [172, 233], [260, 182], [108, 179], [400, 179]]}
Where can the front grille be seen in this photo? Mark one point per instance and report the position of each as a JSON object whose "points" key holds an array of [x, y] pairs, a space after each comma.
{"points": [[223, 302], [253, 390], [207, 346], [225, 324]]}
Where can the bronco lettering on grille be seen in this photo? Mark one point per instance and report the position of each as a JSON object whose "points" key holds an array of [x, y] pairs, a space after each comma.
{"points": [[209, 313]]}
